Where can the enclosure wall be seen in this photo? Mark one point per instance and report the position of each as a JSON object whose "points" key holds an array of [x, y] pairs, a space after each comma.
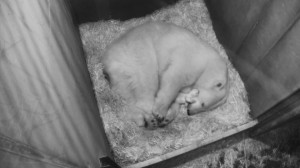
{"points": [[89, 10], [263, 40], [47, 103]]}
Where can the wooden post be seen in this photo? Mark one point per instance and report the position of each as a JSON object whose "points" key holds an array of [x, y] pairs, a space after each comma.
{"points": [[46, 95]]}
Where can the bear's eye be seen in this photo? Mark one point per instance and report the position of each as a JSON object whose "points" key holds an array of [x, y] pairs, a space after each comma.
{"points": [[202, 105], [219, 84], [106, 76]]}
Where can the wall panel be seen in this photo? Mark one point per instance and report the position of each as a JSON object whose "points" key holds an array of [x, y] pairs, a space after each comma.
{"points": [[262, 40], [46, 95], [277, 75], [278, 17], [233, 20]]}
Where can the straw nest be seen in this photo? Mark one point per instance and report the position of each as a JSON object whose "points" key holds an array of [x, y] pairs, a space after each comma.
{"points": [[131, 144]]}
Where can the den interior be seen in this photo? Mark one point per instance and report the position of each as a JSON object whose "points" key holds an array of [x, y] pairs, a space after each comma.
{"points": [[58, 111]]}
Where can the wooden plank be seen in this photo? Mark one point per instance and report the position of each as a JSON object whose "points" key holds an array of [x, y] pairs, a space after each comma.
{"points": [[233, 19], [281, 108], [283, 112], [280, 120], [276, 19], [195, 145], [276, 76]]}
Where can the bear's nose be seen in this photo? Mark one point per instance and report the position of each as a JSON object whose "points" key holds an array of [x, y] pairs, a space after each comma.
{"points": [[188, 112]]}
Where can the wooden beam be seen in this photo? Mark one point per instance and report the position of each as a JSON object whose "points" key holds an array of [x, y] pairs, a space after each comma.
{"points": [[195, 145], [283, 112]]}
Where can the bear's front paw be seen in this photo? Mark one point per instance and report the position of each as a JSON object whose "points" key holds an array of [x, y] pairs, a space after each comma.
{"points": [[150, 122], [144, 120], [164, 122], [171, 115], [159, 117]]}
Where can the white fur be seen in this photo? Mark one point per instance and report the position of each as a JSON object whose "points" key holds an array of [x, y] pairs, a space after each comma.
{"points": [[158, 66]]}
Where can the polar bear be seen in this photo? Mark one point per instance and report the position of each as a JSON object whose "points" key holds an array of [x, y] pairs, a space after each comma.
{"points": [[157, 67]]}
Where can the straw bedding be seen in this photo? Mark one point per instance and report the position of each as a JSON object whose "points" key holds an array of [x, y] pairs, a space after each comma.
{"points": [[131, 144]]}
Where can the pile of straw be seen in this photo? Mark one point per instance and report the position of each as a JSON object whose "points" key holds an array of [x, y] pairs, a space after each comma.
{"points": [[131, 144]]}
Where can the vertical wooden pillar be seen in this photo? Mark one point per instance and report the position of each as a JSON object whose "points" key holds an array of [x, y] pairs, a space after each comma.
{"points": [[46, 95]]}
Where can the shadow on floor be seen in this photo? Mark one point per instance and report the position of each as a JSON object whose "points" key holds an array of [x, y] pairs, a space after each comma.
{"points": [[124, 10], [84, 11]]}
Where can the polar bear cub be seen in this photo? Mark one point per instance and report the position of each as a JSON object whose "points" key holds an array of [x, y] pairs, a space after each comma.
{"points": [[159, 66]]}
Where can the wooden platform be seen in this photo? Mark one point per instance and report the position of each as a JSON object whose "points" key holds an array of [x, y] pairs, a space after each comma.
{"points": [[166, 159]]}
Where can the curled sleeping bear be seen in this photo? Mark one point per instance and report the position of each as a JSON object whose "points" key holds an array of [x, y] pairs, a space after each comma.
{"points": [[157, 67]]}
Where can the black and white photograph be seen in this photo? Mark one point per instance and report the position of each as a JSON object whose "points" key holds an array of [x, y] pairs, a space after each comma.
{"points": [[149, 84]]}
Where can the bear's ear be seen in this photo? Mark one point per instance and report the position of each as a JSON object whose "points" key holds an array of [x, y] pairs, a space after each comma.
{"points": [[195, 92]]}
